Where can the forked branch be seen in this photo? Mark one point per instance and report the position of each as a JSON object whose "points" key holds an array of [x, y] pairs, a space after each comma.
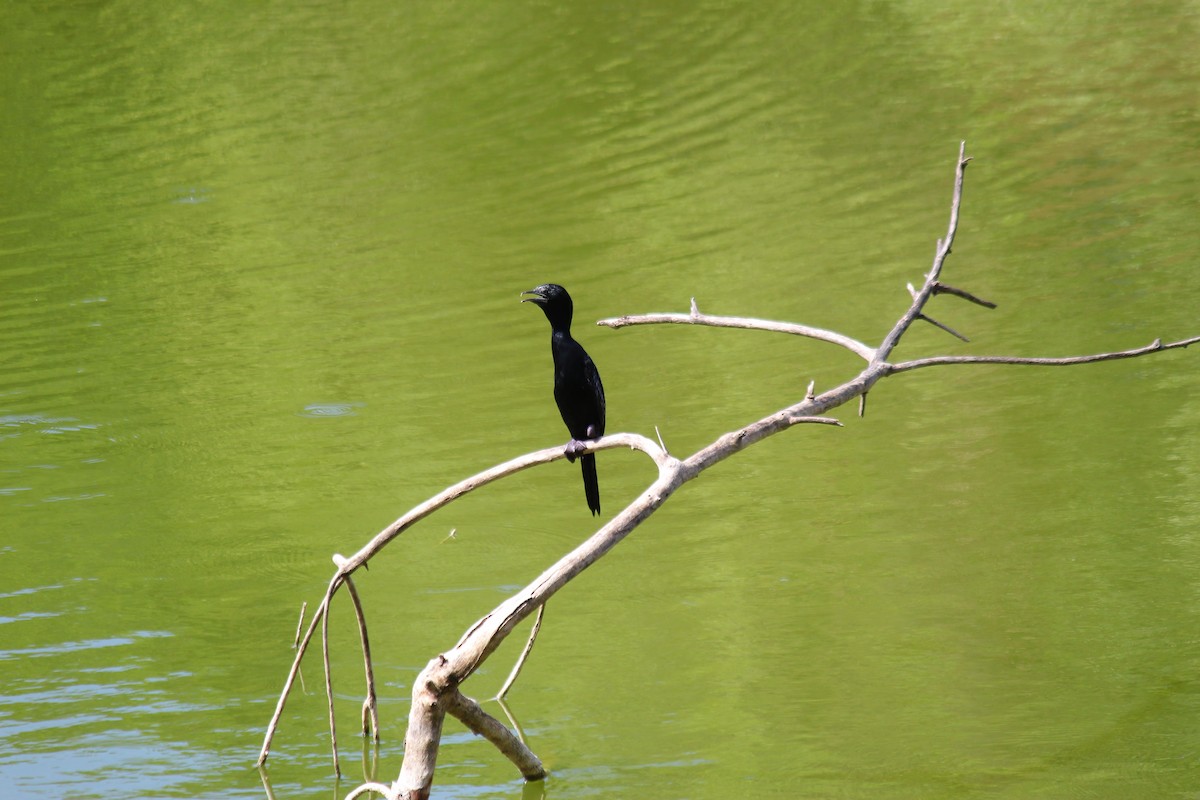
{"points": [[437, 689]]}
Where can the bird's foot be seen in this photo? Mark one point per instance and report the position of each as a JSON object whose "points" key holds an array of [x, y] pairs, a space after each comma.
{"points": [[573, 449]]}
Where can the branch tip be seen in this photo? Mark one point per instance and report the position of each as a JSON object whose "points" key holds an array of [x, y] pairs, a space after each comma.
{"points": [[300, 624], [942, 288], [946, 328]]}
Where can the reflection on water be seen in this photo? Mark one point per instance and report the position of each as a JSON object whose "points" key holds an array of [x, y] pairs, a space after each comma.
{"points": [[259, 278]]}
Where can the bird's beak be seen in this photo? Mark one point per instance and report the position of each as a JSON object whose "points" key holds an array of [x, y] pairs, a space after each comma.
{"points": [[537, 298]]}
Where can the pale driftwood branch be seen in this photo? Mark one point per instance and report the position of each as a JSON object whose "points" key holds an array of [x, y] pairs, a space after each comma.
{"points": [[370, 708], [446, 672], [1156, 346], [436, 690], [471, 714], [931, 279], [696, 318], [516, 670], [346, 565], [337, 767]]}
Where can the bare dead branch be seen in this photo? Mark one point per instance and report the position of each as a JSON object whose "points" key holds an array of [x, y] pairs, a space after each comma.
{"points": [[337, 767], [347, 565], [370, 703], [436, 690], [943, 250], [471, 714], [694, 317], [936, 361]]}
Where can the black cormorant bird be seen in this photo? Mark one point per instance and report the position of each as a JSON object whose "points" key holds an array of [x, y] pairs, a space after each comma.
{"points": [[577, 387]]}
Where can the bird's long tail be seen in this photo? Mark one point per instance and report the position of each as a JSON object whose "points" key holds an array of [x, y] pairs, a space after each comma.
{"points": [[591, 486]]}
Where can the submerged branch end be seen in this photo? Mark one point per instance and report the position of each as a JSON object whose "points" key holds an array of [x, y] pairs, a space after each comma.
{"points": [[471, 714]]}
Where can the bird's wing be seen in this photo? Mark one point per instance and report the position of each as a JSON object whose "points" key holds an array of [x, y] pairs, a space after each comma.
{"points": [[593, 378]]}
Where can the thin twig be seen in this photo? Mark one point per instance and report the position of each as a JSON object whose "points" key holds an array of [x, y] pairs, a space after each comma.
{"points": [[946, 328], [516, 670], [299, 625], [370, 703], [937, 361], [931, 279], [290, 681], [337, 767], [941, 288]]}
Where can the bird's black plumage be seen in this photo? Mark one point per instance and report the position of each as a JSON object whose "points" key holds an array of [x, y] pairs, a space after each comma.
{"points": [[577, 387]]}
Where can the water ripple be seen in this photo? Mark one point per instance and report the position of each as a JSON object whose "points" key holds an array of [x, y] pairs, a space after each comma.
{"points": [[330, 410]]}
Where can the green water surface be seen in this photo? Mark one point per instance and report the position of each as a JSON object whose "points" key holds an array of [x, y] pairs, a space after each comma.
{"points": [[259, 273]]}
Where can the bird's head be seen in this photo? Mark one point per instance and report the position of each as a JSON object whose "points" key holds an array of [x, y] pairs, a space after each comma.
{"points": [[555, 302]]}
